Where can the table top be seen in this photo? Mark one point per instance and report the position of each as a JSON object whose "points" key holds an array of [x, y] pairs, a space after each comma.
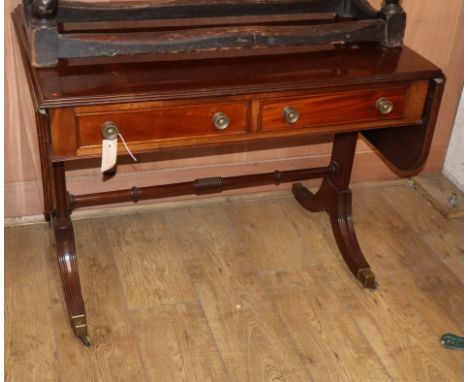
{"points": [[74, 83]]}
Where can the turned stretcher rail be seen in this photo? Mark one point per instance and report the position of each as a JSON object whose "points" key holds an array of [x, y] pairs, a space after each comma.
{"points": [[199, 186]]}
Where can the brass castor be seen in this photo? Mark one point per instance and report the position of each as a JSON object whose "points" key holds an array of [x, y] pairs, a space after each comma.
{"points": [[367, 278], [86, 340], [81, 331], [375, 287]]}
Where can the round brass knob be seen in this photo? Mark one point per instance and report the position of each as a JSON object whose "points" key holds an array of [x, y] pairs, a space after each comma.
{"points": [[291, 115], [221, 121], [110, 130], [384, 106]]}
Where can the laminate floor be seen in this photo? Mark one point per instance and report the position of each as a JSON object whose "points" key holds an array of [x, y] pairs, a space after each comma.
{"points": [[242, 290]]}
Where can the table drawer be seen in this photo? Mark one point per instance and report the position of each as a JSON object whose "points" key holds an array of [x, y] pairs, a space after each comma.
{"points": [[165, 123], [146, 126], [334, 108]]}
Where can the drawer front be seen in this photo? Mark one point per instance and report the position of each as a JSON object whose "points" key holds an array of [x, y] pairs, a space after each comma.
{"points": [[333, 109], [148, 125]]}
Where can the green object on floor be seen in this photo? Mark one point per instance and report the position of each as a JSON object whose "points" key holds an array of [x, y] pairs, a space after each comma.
{"points": [[451, 341]]}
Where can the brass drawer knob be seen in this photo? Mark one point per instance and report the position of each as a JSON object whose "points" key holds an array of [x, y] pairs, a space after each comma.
{"points": [[110, 130], [221, 121], [384, 106], [291, 115]]}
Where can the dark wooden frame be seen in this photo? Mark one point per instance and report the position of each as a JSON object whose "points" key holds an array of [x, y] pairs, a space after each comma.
{"points": [[67, 29]]}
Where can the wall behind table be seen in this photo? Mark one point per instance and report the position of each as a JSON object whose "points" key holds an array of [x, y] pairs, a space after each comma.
{"points": [[435, 30], [454, 162]]}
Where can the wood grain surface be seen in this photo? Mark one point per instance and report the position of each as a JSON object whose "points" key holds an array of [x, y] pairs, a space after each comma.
{"points": [[244, 289], [447, 198], [435, 30], [322, 110]]}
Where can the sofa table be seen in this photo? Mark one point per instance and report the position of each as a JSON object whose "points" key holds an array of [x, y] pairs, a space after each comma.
{"points": [[389, 95]]}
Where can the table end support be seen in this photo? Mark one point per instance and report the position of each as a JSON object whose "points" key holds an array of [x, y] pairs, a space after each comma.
{"points": [[66, 257], [334, 197]]}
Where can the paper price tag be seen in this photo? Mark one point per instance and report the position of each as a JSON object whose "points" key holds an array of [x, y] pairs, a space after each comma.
{"points": [[109, 154]]}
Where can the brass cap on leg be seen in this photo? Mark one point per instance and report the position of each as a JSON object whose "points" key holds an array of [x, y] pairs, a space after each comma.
{"points": [[367, 278], [81, 329]]}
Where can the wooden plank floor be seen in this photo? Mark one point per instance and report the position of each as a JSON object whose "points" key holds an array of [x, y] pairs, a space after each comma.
{"points": [[242, 291]]}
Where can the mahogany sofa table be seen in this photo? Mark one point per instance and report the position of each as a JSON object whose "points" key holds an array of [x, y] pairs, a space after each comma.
{"points": [[389, 95]]}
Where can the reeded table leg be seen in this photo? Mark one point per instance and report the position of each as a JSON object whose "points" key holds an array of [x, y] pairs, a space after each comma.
{"points": [[66, 256], [334, 197], [42, 121]]}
